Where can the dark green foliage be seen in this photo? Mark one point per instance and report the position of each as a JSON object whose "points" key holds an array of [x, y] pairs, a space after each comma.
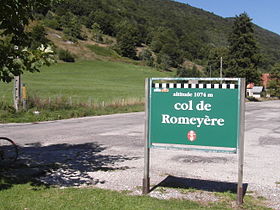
{"points": [[65, 56], [167, 27], [77, 7], [269, 45], [105, 21], [214, 61], [126, 47], [96, 32], [192, 47], [90, 20], [38, 37], [53, 21], [166, 44], [15, 15], [274, 83], [189, 72], [127, 39], [71, 27], [244, 55], [15, 55], [147, 57], [164, 61], [7, 107]]}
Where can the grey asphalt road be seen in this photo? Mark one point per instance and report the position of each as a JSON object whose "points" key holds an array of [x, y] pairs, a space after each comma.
{"points": [[113, 130], [121, 138]]}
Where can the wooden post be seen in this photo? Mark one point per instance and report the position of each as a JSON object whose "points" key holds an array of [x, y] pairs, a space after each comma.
{"points": [[24, 97], [17, 92]]}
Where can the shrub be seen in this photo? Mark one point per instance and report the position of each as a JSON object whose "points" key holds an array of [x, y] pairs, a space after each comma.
{"points": [[6, 107], [147, 57], [52, 23], [186, 72], [65, 56]]}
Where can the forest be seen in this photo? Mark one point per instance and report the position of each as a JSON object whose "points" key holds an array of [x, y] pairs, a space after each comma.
{"points": [[172, 31], [163, 34]]}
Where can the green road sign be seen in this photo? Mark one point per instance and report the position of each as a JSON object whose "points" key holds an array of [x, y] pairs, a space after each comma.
{"points": [[198, 115], [195, 113]]}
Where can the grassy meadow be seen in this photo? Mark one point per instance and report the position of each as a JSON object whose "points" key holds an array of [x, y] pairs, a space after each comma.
{"points": [[84, 80], [111, 85]]}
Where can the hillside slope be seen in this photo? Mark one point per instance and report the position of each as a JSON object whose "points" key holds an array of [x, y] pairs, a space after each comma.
{"points": [[177, 30]]}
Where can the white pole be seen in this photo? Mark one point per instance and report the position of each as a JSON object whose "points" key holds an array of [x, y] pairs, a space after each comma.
{"points": [[221, 67]]}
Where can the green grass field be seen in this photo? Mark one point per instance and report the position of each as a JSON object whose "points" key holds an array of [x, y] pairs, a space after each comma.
{"points": [[84, 88], [87, 80]]}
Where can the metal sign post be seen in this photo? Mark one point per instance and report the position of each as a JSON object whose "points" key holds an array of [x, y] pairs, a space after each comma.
{"points": [[240, 191], [195, 113], [146, 179]]}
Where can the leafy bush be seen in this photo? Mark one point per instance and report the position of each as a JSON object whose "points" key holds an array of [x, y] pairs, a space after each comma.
{"points": [[52, 23], [184, 72], [164, 61], [147, 56], [38, 37], [6, 107], [274, 83], [65, 56]]}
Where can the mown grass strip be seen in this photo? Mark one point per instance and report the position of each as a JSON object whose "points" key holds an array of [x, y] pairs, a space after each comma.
{"points": [[27, 196], [30, 197]]}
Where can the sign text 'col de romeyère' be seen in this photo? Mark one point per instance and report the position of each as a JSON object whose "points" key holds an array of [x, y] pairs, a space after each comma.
{"points": [[201, 113]]}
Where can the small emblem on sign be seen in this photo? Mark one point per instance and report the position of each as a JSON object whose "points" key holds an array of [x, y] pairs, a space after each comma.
{"points": [[191, 136], [165, 90]]}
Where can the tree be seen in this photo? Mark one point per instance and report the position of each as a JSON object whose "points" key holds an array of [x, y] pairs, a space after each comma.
{"points": [[147, 56], [166, 44], [38, 37], [127, 39], [15, 53], [96, 32], [191, 46], [244, 55], [185, 72], [105, 22], [71, 27], [164, 61], [214, 61], [274, 83]]}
